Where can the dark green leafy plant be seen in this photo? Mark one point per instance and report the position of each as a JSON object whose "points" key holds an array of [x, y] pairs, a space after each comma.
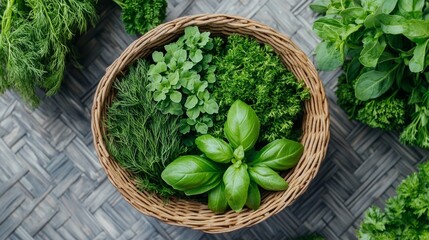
{"points": [[230, 173], [181, 78], [140, 16], [254, 73], [141, 138], [406, 215], [382, 46], [35, 42]]}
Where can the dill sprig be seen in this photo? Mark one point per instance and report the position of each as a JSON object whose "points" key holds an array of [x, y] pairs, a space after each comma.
{"points": [[34, 42], [139, 136]]}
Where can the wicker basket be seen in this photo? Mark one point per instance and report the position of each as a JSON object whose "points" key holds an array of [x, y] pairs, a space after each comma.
{"points": [[194, 214]]}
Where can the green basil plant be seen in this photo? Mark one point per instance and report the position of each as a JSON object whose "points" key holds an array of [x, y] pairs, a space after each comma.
{"points": [[230, 172]]}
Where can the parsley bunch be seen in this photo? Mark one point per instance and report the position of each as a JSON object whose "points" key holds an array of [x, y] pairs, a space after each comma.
{"points": [[140, 16], [406, 216], [254, 73]]}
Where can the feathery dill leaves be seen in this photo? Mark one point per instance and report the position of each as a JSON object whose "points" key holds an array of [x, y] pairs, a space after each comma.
{"points": [[35, 41], [139, 136]]}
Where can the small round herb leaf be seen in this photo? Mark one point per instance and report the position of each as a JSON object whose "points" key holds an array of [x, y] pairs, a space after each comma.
{"points": [[176, 96]]}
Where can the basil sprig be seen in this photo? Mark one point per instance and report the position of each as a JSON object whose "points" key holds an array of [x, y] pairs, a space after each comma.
{"points": [[230, 172]]}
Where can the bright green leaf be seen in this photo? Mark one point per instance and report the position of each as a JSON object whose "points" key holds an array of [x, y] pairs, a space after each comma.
{"points": [[417, 63], [320, 6], [239, 153], [201, 128], [192, 172], [216, 199], [242, 125], [211, 106], [159, 96], [253, 196], [267, 178], [191, 102], [279, 155], [158, 56], [215, 149], [372, 84], [236, 180], [193, 113], [329, 56], [175, 96], [196, 56], [372, 50]]}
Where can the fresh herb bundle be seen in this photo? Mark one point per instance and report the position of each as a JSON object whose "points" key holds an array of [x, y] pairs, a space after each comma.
{"points": [[180, 80], [254, 73], [230, 172], [383, 47], [34, 43], [140, 16], [139, 136], [406, 215]]}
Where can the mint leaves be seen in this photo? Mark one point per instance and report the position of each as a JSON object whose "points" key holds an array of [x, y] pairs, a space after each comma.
{"points": [[383, 47], [180, 80]]}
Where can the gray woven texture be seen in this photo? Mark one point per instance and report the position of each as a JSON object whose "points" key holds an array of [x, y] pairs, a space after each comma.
{"points": [[52, 185]]}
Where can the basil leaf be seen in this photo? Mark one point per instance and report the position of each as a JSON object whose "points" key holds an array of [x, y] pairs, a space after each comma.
{"points": [[353, 14], [236, 180], [387, 6], [372, 50], [279, 155], [320, 6], [329, 56], [215, 149], [216, 199], [391, 24], [417, 63], [208, 186], [253, 196], [192, 172], [328, 28], [373, 84], [242, 126], [410, 6], [267, 178], [416, 30]]}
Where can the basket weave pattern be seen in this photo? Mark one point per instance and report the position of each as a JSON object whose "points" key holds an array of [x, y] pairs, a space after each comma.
{"points": [[194, 214]]}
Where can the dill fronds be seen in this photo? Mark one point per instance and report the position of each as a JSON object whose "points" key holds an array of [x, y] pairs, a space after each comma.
{"points": [[139, 136]]}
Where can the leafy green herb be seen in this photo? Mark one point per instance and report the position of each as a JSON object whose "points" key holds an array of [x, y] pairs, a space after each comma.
{"points": [[406, 215], [140, 16], [139, 136], [35, 42], [236, 180], [242, 126], [254, 73], [383, 48], [216, 199], [239, 185], [192, 174], [279, 155], [181, 78]]}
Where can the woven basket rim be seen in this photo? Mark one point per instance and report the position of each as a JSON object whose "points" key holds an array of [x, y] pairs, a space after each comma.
{"points": [[192, 214]]}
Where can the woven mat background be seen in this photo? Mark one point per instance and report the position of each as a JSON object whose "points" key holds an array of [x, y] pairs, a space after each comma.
{"points": [[52, 186]]}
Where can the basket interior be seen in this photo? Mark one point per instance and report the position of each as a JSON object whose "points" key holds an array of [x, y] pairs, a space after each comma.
{"points": [[191, 213]]}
